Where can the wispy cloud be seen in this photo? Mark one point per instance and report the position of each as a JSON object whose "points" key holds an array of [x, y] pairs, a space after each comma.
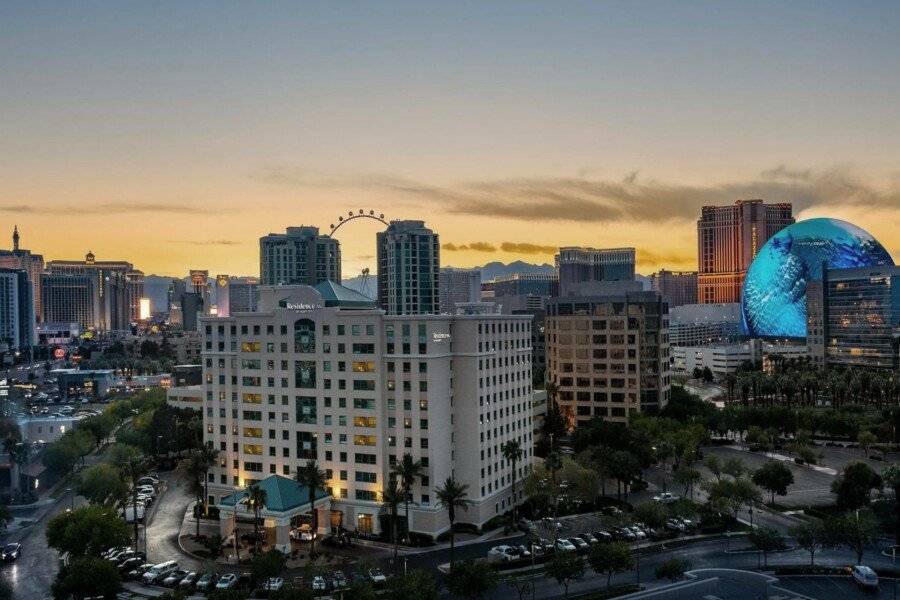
{"points": [[526, 248], [474, 246], [107, 208], [647, 257], [634, 197]]}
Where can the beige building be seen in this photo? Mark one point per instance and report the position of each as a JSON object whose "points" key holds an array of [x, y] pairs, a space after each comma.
{"points": [[320, 373], [608, 355]]}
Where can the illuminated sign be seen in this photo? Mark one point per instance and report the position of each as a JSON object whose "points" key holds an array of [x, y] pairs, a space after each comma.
{"points": [[302, 306], [144, 309], [59, 353], [222, 280]]}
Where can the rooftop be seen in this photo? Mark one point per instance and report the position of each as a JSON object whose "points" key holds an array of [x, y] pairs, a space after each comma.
{"points": [[282, 494]]}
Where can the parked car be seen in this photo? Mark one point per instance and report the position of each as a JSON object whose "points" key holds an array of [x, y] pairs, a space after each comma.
{"points": [[159, 571], [130, 564], [864, 577], [273, 584], [611, 511], [12, 551], [527, 526], [603, 536], [502, 554], [339, 580], [207, 581], [376, 576], [226, 581], [138, 572], [148, 480], [303, 533], [666, 498], [589, 538], [523, 551], [129, 554], [564, 545], [579, 543], [174, 578], [675, 525], [638, 533], [189, 580], [319, 584]]}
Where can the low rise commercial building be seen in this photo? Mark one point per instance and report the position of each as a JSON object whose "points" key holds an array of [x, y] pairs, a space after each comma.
{"points": [[75, 384]]}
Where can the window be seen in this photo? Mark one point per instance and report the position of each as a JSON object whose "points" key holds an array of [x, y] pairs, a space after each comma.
{"points": [[364, 459], [251, 398], [364, 385], [364, 440], [364, 421], [250, 346], [366, 495], [254, 449], [304, 336], [305, 373], [306, 409], [364, 477], [253, 432], [367, 403], [363, 366]]}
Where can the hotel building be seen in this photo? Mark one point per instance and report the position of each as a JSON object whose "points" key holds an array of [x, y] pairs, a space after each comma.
{"points": [[409, 262], [301, 256], [320, 373], [608, 355], [588, 265], [728, 238]]}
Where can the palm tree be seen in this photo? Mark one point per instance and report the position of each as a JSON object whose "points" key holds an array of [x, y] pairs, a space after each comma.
{"points": [[313, 478], [406, 471], [208, 458], [256, 500], [512, 452], [451, 496], [11, 447], [392, 496], [194, 470]]}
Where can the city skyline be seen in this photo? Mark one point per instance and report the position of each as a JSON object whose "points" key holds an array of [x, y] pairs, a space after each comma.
{"points": [[160, 133]]}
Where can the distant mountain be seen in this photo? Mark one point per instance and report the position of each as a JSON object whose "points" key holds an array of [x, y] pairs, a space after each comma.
{"points": [[498, 269]]}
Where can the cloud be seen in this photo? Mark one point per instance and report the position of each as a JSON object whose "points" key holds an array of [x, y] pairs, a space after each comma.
{"points": [[632, 198], [108, 208], [648, 257], [526, 248], [475, 246]]}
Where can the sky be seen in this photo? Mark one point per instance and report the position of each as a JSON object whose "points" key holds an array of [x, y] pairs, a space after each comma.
{"points": [[174, 135]]}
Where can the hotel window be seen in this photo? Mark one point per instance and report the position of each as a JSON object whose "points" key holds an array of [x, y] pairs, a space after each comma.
{"points": [[304, 336], [364, 440], [363, 366], [250, 346], [253, 449], [253, 432], [251, 398], [364, 422]]}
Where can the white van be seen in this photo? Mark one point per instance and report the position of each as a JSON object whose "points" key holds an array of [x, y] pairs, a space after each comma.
{"points": [[160, 571]]}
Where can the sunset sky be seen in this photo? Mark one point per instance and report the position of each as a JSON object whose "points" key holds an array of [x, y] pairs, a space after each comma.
{"points": [[175, 136]]}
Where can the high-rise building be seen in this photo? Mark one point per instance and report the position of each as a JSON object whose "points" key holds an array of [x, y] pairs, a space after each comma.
{"points": [[71, 298], [16, 310], [408, 269], [677, 287], [853, 317], [458, 286], [728, 237], [192, 308], [608, 355], [240, 295], [704, 324], [355, 390], [33, 264], [587, 265], [302, 256], [118, 285]]}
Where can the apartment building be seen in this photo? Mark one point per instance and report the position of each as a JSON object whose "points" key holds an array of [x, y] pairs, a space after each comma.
{"points": [[608, 355], [320, 373]]}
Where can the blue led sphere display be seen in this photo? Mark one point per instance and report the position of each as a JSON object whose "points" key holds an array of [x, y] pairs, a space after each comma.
{"points": [[773, 301]]}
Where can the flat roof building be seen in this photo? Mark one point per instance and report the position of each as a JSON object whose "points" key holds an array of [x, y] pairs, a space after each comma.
{"points": [[320, 373], [300, 256], [577, 265]]}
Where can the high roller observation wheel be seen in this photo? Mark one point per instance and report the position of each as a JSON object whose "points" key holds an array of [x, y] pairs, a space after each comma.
{"points": [[351, 216]]}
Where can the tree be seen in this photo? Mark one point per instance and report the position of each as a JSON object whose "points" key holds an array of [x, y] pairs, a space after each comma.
{"points": [[5, 517], [565, 567], [266, 565], [472, 580], [734, 466], [407, 471], [857, 530], [714, 464], [391, 496], [86, 531], [672, 569], [765, 539], [687, 477], [99, 426], [891, 478], [414, 585], [811, 536], [452, 496], [512, 453], [775, 477], [707, 375], [313, 478], [652, 514], [87, 577], [256, 500], [866, 439], [610, 558], [854, 486], [195, 468], [101, 484]]}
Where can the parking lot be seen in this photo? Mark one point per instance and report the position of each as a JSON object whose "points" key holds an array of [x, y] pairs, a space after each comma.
{"points": [[828, 588]]}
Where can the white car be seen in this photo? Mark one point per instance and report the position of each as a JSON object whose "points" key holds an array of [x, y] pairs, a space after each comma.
{"points": [[319, 584], [638, 534], [864, 576], [226, 581], [377, 576], [304, 533], [159, 572], [274, 584], [502, 553], [666, 498], [564, 545]]}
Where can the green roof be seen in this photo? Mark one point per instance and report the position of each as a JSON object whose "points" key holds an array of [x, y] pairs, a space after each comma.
{"points": [[282, 494], [334, 294]]}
